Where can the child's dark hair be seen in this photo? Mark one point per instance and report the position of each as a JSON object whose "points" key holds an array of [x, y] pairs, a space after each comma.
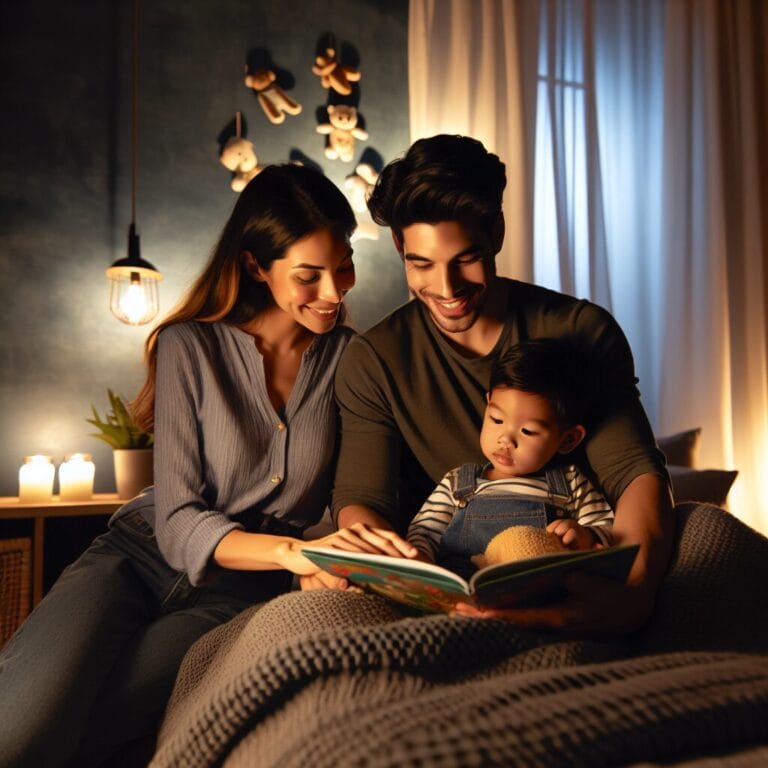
{"points": [[546, 367], [441, 178]]}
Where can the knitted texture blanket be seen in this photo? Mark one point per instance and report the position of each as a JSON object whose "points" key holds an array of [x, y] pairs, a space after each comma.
{"points": [[336, 679]]}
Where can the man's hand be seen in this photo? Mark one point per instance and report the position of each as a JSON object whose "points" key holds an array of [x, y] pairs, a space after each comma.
{"points": [[595, 607]]}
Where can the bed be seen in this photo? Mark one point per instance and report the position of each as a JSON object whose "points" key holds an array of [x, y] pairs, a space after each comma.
{"points": [[336, 679]]}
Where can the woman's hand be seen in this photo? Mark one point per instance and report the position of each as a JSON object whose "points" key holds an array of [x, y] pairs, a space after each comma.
{"points": [[362, 537], [322, 580], [359, 537]]}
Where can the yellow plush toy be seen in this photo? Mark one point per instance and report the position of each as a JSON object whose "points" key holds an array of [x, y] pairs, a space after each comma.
{"points": [[518, 543], [273, 99], [334, 74], [342, 130]]}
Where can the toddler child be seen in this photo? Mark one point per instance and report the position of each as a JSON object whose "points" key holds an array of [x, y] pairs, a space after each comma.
{"points": [[535, 415]]}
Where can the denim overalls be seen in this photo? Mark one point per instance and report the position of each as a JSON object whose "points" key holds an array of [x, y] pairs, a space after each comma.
{"points": [[478, 519]]}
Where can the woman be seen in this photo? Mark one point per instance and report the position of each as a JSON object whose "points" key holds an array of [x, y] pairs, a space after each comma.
{"points": [[239, 393]]}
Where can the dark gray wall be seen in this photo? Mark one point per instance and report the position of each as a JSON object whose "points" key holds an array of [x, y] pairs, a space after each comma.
{"points": [[65, 179]]}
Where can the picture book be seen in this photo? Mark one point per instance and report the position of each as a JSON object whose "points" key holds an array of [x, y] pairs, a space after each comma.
{"points": [[431, 588]]}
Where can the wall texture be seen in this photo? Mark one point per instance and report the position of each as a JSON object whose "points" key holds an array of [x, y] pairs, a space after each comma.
{"points": [[65, 182]]}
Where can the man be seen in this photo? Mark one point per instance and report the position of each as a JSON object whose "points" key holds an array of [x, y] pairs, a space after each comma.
{"points": [[411, 390]]}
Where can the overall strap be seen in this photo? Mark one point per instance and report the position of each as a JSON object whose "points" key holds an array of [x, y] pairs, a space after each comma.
{"points": [[558, 485], [465, 482]]}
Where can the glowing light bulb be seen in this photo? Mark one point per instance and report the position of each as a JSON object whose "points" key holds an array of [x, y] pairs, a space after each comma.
{"points": [[133, 294], [133, 302]]}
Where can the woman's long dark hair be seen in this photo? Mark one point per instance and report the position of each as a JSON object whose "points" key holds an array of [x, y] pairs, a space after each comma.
{"points": [[281, 205]]}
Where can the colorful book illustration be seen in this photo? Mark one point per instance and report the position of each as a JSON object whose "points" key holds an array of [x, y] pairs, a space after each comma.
{"points": [[430, 588]]}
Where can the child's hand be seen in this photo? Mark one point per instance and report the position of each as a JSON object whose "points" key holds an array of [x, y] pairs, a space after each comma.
{"points": [[572, 535]]}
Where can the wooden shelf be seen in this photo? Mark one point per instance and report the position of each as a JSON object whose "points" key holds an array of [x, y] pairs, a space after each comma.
{"points": [[12, 509]]}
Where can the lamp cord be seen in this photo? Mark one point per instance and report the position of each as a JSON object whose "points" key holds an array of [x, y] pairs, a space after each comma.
{"points": [[134, 100]]}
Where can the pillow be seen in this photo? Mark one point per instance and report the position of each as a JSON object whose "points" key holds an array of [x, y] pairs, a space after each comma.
{"points": [[681, 448], [708, 485]]}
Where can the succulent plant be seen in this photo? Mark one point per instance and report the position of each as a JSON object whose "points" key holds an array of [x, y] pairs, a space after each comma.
{"points": [[119, 430]]}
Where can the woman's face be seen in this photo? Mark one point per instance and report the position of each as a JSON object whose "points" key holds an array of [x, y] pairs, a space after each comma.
{"points": [[309, 283]]}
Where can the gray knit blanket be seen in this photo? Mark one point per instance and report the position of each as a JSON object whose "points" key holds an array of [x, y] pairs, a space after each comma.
{"points": [[337, 679]]}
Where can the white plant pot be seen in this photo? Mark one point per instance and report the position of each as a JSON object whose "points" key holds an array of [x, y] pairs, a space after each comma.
{"points": [[133, 471]]}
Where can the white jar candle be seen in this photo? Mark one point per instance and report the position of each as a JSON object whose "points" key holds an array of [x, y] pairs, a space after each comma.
{"points": [[36, 479], [76, 477]]}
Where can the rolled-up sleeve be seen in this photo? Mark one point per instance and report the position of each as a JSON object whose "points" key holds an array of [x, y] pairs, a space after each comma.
{"points": [[187, 531]]}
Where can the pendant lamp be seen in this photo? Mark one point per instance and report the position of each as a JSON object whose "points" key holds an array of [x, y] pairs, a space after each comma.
{"points": [[133, 294]]}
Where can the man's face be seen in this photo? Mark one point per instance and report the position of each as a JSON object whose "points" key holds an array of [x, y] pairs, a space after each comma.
{"points": [[449, 268]]}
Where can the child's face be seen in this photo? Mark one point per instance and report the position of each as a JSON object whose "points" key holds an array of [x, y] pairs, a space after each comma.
{"points": [[521, 434]]}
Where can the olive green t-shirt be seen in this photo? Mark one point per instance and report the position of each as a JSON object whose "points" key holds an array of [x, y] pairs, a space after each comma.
{"points": [[412, 405]]}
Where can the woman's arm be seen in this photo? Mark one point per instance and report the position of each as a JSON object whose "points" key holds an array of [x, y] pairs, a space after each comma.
{"points": [[244, 551], [186, 529]]}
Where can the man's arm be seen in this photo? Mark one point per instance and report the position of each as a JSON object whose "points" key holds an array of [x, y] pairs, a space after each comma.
{"points": [[368, 464], [357, 513]]}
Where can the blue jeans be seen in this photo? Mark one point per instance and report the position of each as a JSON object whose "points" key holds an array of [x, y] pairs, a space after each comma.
{"points": [[93, 666]]}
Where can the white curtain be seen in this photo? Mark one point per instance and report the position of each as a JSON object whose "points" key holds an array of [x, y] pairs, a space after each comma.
{"points": [[465, 63], [634, 134]]}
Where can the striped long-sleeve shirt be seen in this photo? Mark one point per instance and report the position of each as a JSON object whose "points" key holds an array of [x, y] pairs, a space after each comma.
{"points": [[584, 503]]}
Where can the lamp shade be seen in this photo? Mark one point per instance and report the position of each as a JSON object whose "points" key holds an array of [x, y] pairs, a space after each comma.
{"points": [[133, 294]]}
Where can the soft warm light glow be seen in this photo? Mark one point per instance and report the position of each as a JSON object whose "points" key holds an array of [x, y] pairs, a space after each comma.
{"points": [[76, 478], [133, 296], [36, 479]]}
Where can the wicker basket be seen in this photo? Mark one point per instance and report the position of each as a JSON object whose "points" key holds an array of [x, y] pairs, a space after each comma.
{"points": [[15, 558]]}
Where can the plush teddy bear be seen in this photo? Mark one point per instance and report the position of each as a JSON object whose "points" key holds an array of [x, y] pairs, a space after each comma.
{"points": [[273, 99], [334, 74], [517, 543], [239, 156], [341, 130], [358, 186]]}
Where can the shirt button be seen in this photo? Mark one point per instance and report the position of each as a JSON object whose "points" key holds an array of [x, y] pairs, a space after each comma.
{"points": [[281, 426], [276, 479]]}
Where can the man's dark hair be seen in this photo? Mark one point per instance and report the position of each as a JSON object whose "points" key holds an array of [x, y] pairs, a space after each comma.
{"points": [[546, 367], [442, 178]]}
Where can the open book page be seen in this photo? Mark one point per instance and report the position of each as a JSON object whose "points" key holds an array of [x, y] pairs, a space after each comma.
{"points": [[420, 585], [539, 580], [431, 588]]}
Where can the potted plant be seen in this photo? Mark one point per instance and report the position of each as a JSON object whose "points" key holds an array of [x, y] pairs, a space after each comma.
{"points": [[131, 447]]}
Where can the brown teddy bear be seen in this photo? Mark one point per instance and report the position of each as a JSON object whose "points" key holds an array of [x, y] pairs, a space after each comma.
{"points": [[239, 156], [334, 74], [517, 543], [273, 99], [342, 130]]}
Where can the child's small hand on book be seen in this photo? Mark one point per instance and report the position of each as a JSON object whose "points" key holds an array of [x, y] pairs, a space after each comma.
{"points": [[574, 536]]}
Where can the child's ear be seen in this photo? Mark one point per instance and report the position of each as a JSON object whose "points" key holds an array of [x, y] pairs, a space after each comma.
{"points": [[251, 266], [571, 438]]}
